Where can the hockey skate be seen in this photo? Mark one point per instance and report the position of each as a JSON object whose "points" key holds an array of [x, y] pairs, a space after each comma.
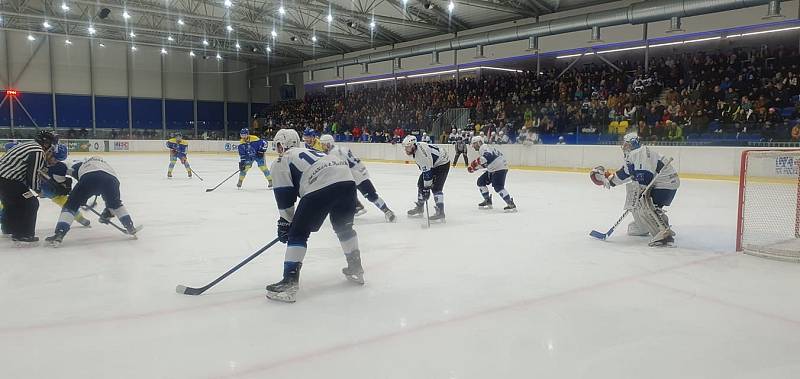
{"points": [[510, 207], [56, 239], [390, 217], [486, 203], [169, 174], [439, 215], [285, 290], [239, 185], [354, 272], [22, 242], [663, 239], [360, 209], [105, 217], [416, 211], [190, 174], [84, 222]]}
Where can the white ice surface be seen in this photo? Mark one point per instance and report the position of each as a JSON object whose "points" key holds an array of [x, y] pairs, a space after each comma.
{"points": [[486, 295]]}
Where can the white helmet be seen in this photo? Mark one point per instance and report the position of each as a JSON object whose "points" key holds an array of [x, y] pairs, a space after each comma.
{"points": [[476, 139], [326, 139], [287, 138], [409, 141]]}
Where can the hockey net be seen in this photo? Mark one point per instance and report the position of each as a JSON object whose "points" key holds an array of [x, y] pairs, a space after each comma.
{"points": [[769, 204]]}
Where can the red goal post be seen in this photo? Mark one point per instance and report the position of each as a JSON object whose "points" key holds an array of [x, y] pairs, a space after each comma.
{"points": [[768, 218]]}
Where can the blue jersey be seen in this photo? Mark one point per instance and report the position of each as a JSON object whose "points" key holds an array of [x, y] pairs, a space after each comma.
{"points": [[251, 147], [57, 183], [177, 148], [11, 144]]}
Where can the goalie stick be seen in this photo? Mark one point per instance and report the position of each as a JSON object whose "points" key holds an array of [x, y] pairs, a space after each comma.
{"points": [[222, 182], [604, 236], [197, 291]]}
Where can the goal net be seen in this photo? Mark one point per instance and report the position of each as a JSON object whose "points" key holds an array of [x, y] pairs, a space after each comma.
{"points": [[769, 204]]}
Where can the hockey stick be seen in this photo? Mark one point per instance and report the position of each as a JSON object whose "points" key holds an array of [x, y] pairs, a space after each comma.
{"points": [[195, 174], [427, 215], [196, 291], [604, 236], [223, 182], [109, 221]]}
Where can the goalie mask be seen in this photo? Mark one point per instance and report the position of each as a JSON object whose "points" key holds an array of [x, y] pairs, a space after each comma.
{"points": [[630, 143]]}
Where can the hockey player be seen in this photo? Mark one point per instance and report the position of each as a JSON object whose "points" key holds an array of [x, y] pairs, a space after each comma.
{"points": [[495, 174], [57, 184], [95, 177], [360, 174], [252, 149], [643, 165], [310, 139], [460, 145], [177, 150], [425, 137], [435, 165], [325, 187], [10, 144]]}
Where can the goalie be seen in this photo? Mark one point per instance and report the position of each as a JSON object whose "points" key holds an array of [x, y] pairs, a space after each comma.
{"points": [[642, 167]]}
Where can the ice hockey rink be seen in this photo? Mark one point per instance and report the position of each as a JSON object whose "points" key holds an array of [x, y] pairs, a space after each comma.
{"points": [[486, 295]]}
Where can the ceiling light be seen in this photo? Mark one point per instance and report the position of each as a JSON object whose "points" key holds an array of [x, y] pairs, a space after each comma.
{"points": [[205, 42], [405, 2], [313, 38], [269, 49], [372, 25], [273, 33], [64, 7], [163, 51], [238, 46], [132, 34], [101, 44], [31, 37], [329, 18], [281, 10], [230, 28], [191, 53], [450, 6], [228, 3], [126, 15], [180, 22], [47, 25], [92, 30], [219, 57], [133, 48], [170, 39], [67, 42]]}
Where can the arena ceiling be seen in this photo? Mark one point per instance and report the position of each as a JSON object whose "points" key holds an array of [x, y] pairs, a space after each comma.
{"points": [[280, 32]]}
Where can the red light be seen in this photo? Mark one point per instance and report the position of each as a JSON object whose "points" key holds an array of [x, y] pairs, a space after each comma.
{"points": [[11, 92]]}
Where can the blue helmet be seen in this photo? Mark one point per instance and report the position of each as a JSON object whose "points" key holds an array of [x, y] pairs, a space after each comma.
{"points": [[60, 152], [244, 132], [309, 132]]}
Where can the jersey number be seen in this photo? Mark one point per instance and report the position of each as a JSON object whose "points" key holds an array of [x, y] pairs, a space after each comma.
{"points": [[309, 159]]}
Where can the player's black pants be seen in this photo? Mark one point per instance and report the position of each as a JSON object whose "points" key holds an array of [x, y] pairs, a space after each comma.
{"points": [[458, 154], [19, 217], [93, 184], [337, 200], [439, 175]]}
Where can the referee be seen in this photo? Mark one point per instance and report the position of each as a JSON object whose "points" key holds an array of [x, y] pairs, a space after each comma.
{"points": [[19, 182]]}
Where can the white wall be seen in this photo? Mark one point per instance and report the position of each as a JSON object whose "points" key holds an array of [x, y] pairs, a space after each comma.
{"points": [[72, 72], [688, 160]]}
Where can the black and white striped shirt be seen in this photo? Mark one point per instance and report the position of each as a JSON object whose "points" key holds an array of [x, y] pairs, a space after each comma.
{"points": [[22, 163]]}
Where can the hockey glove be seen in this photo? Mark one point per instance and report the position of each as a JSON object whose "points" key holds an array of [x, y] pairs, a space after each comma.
{"points": [[242, 166], [474, 166], [283, 230], [599, 176]]}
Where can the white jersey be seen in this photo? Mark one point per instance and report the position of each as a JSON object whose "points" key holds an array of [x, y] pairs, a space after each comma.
{"points": [[430, 156], [357, 168], [300, 171], [641, 165], [92, 164], [491, 158]]}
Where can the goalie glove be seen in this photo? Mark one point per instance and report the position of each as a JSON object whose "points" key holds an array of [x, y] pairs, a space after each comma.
{"points": [[474, 166], [600, 177]]}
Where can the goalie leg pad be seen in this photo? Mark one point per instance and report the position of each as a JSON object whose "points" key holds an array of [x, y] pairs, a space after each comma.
{"points": [[650, 216]]}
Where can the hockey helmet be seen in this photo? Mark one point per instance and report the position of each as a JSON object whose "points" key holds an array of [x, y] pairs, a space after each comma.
{"points": [[287, 139], [46, 138], [60, 152], [309, 132], [327, 142], [476, 142], [410, 144], [630, 142], [244, 132]]}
